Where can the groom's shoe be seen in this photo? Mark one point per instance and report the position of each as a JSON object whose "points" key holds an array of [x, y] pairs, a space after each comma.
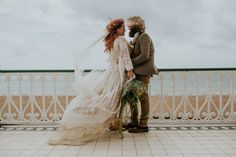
{"points": [[128, 126], [138, 129]]}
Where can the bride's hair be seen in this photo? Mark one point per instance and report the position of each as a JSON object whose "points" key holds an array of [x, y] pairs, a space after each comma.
{"points": [[112, 28]]}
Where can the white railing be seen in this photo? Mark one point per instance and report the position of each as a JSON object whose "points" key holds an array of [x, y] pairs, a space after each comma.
{"points": [[176, 96]]}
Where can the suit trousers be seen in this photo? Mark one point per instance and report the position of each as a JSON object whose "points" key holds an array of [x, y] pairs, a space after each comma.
{"points": [[144, 102]]}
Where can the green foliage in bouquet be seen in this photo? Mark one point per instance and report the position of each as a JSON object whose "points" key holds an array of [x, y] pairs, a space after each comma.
{"points": [[130, 95]]}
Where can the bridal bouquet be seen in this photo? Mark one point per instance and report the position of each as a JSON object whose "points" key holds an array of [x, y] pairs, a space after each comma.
{"points": [[130, 95]]}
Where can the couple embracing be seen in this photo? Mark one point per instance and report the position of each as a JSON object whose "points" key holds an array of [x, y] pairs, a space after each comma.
{"points": [[85, 118]]}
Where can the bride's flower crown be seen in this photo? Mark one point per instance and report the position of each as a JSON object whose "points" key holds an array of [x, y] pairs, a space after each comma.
{"points": [[114, 25]]}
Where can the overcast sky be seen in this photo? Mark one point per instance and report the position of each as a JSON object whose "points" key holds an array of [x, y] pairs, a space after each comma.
{"points": [[41, 34]]}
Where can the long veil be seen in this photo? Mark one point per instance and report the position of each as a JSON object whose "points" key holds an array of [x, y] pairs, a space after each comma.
{"points": [[78, 125], [89, 65]]}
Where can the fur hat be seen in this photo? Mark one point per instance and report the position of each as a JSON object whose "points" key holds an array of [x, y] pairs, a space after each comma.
{"points": [[136, 21]]}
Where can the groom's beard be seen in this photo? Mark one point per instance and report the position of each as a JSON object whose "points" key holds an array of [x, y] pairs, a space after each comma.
{"points": [[133, 31]]}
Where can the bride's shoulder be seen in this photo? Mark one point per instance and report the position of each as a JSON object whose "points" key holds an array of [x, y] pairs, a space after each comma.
{"points": [[121, 39]]}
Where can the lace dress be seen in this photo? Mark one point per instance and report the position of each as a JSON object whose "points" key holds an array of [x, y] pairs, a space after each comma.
{"points": [[91, 112]]}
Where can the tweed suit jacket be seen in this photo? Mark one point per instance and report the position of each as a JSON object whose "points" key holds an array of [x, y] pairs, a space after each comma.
{"points": [[142, 55]]}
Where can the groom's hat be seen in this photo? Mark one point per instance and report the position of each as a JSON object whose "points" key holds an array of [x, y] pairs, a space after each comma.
{"points": [[136, 21]]}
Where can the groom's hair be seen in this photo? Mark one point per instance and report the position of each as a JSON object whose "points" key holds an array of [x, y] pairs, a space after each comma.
{"points": [[136, 21]]}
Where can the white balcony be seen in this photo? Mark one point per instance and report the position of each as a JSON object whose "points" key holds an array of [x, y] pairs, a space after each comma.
{"points": [[177, 97], [193, 113]]}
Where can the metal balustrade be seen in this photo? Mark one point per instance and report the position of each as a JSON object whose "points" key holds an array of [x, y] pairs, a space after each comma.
{"points": [[177, 96]]}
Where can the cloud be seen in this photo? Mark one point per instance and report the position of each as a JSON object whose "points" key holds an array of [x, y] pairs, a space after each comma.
{"points": [[51, 30]]}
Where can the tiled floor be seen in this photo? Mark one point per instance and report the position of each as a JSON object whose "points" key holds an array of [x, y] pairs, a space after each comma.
{"points": [[156, 143]]}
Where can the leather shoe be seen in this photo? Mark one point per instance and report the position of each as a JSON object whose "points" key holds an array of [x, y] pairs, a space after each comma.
{"points": [[138, 129], [129, 126]]}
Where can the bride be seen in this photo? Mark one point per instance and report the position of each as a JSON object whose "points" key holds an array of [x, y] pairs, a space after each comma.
{"points": [[89, 114]]}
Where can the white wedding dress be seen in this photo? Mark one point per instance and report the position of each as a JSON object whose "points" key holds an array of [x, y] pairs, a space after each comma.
{"points": [[91, 112]]}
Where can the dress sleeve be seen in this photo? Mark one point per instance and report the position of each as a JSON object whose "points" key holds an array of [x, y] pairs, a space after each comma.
{"points": [[124, 54]]}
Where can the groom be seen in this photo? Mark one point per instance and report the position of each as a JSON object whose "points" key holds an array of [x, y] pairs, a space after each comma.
{"points": [[142, 56]]}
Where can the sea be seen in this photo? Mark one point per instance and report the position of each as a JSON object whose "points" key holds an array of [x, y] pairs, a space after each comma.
{"points": [[166, 83]]}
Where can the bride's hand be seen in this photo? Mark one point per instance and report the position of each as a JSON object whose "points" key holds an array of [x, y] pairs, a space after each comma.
{"points": [[130, 74]]}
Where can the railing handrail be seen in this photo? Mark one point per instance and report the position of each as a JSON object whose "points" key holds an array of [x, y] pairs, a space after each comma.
{"points": [[88, 70]]}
